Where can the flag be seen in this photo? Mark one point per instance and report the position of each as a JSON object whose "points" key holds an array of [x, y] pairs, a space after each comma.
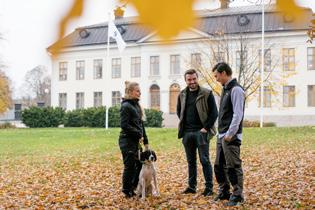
{"points": [[114, 33]]}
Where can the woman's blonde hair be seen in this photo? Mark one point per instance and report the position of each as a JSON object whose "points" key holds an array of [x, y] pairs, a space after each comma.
{"points": [[129, 87]]}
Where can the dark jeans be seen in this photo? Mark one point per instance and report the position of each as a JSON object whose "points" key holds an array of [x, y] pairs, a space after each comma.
{"points": [[193, 141], [132, 165], [228, 167]]}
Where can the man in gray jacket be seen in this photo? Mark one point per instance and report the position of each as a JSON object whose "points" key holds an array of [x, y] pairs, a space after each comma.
{"points": [[197, 111], [228, 164]]}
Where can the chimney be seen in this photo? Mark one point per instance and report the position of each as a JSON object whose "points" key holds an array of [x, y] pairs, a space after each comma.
{"points": [[224, 4], [119, 12]]}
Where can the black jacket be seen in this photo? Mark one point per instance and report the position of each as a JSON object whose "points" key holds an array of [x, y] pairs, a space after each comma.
{"points": [[130, 121]]}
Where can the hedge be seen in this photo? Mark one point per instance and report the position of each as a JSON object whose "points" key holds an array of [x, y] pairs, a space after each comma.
{"points": [[90, 117]]}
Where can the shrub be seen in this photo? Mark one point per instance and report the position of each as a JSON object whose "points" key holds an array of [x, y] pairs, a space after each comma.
{"points": [[6, 125], [153, 118], [39, 117], [248, 123], [74, 118], [90, 117], [114, 116]]}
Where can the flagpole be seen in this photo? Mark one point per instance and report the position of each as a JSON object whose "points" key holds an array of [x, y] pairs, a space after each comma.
{"points": [[262, 66], [107, 69]]}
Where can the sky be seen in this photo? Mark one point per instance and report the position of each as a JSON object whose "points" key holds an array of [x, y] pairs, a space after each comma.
{"points": [[28, 27]]}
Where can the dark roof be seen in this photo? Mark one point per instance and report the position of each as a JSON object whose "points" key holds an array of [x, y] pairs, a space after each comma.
{"points": [[231, 20]]}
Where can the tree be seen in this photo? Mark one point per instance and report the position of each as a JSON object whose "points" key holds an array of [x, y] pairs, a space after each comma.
{"points": [[5, 92], [246, 63], [37, 83]]}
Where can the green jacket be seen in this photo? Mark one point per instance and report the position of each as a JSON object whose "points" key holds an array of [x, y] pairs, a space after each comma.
{"points": [[202, 109]]}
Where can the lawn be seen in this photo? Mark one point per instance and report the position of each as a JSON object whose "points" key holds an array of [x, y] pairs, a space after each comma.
{"points": [[81, 168]]}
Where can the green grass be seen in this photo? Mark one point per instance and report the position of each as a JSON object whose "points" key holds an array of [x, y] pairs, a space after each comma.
{"points": [[25, 143]]}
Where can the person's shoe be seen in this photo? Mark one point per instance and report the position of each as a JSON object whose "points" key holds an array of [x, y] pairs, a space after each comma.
{"points": [[222, 196], [189, 191], [207, 192], [234, 201]]}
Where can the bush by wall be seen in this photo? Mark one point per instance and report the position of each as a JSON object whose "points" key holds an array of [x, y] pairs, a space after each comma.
{"points": [[40, 117], [36, 117], [248, 123], [6, 125], [90, 117], [153, 118], [114, 116]]}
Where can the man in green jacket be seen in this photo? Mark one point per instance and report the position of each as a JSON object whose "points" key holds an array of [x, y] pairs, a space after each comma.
{"points": [[197, 112]]}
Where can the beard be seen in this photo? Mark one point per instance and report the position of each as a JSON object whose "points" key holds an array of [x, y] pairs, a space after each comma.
{"points": [[193, 86]]}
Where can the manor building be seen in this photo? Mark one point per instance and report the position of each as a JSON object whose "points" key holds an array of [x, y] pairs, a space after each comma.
{"points": [[81, 79]]}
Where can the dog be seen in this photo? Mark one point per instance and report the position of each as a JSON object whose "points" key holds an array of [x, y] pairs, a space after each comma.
{"points": [[147, 184]]}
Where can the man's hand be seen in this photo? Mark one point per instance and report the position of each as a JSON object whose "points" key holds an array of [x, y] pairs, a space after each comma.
{"points": [[203, 130], [227, 138]]}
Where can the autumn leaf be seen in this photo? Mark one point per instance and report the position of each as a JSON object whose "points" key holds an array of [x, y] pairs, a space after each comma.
{"points": [[74, 12], [168, 18], [289, 7]]}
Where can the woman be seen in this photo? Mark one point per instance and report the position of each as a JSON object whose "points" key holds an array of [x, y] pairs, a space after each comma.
{"points": [[131, 135]]}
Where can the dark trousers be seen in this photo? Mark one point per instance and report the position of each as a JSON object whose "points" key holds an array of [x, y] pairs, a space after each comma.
{"points": [[228, 167], [132, 165], [192, 142]]}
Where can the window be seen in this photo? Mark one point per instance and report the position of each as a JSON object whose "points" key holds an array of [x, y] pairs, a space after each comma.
{"points": [[116, 67], [311, 95], [154, 65], [196, 60], [63, 100], [116, 98], [267, 96], [288, 59], [289, 96], [175, 64], [241, 60], [135, 66], [98, 97], [63, 71], [155, 97], [98, 68], [80, 70], [311, 58], [267, 59], [79, 100]]}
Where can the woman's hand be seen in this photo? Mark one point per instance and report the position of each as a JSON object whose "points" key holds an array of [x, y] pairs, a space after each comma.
{"points": [[141, 140], [146, 147]]}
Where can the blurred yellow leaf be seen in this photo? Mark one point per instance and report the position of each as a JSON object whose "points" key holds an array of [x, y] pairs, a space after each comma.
{"points": [[74, 12], [289, 7], [167, 17]]}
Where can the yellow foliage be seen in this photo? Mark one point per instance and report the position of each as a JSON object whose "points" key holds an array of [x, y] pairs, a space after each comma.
{"points": [[5, 93], [167, 17], [289, 7], [74, 12]]}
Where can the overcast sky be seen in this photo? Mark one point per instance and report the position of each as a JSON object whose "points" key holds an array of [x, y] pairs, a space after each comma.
{"points": [[28, 27]]}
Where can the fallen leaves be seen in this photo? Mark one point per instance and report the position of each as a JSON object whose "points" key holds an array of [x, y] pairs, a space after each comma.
{"points": [[275, 177]]}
